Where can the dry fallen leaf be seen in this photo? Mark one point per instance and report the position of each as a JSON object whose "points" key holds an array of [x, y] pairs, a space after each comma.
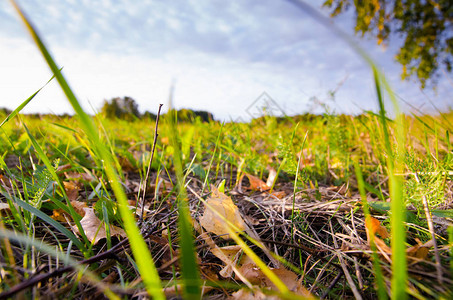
{"points": [[246, 294], [307, 159], [224, 206], [420, 250], [95, 229], [279, 194], [255, 276], [374, 227], [257, 184], [72, 190], [62, 216], [228, 255]]}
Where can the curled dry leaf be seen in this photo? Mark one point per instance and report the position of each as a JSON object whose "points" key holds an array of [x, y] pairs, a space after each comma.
{"points": [[374, 227], [223, 205], [307, 159], [95, 229], [257, 184]]}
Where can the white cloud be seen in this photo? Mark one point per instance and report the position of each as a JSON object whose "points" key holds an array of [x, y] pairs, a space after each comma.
{"points": [[222, 55]]}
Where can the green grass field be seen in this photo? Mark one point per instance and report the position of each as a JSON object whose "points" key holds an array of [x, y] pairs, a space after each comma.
{"points": [[313, 219], [327, 206]]}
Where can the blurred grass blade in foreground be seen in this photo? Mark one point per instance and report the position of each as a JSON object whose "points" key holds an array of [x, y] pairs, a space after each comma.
{"points": [[139, 248]]}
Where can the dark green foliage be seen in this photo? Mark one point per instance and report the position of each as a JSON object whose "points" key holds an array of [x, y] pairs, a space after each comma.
{"points": [[122, 108], [188, 115], [425, 26], [149, 115]]}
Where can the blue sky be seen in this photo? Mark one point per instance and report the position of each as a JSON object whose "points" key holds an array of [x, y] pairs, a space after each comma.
{"points": [[220, 55]]}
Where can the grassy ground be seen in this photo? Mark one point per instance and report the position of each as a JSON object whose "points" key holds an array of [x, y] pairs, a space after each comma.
{"points": [[304, 207], [313, 219]]}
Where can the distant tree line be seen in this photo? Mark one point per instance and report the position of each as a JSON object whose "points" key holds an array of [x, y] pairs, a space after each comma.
{"points": [[127, 109]]}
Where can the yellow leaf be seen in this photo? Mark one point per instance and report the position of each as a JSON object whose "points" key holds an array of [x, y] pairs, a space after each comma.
{"points": [[223, 205]]}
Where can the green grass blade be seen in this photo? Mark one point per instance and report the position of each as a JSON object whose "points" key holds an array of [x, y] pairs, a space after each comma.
{"points": [[51, 170], [380, 282], [189, 266], [50, 221], [398, 208], [139, 248], [399, 264]]}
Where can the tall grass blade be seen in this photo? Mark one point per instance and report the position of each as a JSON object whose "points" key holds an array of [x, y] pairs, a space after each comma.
{"points": [[50, 221], [51, 170], [189, 266], [380, 282], [398, 209], [399, 264], [139, 248]]}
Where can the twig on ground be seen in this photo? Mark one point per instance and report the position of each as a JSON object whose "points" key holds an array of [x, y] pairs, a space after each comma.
{"points": [[145, 182]]}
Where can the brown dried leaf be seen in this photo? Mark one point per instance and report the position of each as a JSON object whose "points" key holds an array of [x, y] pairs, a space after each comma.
{"points": [[58, 215], [374, 227], [255, 276], [79, 207], [227, 255], [72, 190], [420, 250], [279, 194], [62, 216], [125, 164], [257, 184], [95, 229], [307, 159], [246, 294], [382, 247], [64, 167], [224, 206]]}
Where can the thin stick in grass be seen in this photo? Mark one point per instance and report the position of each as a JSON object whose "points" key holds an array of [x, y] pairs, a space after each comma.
{"points": [[145, 182]]}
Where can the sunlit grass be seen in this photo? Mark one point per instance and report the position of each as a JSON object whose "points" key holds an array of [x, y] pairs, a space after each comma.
{"points": [[399, 162]]}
